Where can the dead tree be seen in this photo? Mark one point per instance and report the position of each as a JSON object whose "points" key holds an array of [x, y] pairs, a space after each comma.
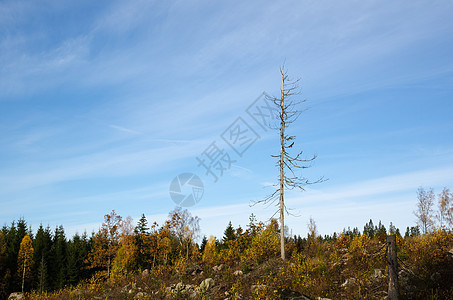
{"points": [[392, 262], [288, 113]]}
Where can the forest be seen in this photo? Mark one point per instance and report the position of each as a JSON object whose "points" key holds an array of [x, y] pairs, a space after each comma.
{"points": [[123, 260]]}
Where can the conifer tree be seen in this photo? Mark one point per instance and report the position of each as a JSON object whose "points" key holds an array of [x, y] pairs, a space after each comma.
{"points": [[76, 254], [58, 272], [42, 276], [142, 225], [369, 229], [142, 241], [42, 251], [3, 265], [229, 234]]}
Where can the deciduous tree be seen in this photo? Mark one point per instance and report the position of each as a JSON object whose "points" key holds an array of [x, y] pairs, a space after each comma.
{"points": [[25, 260], [106, 242], [425, 211], [445, 209], [185, 227]]}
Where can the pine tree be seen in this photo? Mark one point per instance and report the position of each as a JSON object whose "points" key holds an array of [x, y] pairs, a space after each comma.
{"points": [[229, 234], [14, 237], [380, 230], [42, 246], [25, 260], [142, 225], [42, 276], [74, 259], [58, 261], [392, 228], [204, 241], [142, 241], [3, 265], [368, 229]]}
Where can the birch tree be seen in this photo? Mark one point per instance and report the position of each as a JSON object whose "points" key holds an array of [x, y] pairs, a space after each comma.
{"points": [[25, 259], [445, 209], [425, 209]]}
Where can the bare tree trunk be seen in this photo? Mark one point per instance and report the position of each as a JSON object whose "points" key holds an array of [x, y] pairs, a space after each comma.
{"points": [[187, 251], [108, 268], [23, 276], [393, 267], [288, 113], [282, 151]]}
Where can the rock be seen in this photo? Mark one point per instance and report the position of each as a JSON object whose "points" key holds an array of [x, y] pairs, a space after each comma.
{"points": [[378, 273], [194, 270], [218, 268], [145, 273], [180, 287], [125, 288], [238, 273], [258, 287], [205, 285], [140, 295], [17, 295], [348, 282]]}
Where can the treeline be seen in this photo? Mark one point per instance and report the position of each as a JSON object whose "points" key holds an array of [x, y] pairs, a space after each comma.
{"points": [[45, 261], [48, 261]]}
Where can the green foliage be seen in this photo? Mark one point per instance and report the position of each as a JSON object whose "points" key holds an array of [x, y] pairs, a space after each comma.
{"points": [[229, 234]]}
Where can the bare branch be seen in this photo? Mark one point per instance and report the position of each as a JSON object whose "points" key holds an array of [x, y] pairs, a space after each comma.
{"points": [[288, 113]]}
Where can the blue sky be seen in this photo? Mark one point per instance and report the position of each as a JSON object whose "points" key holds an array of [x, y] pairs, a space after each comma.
{"points": [[103, 103]]}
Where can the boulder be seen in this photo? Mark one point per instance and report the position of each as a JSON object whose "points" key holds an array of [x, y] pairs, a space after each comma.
{"points": [[145, 273], [140, 295], [348, 282], [17, 295], [205, 285], [218, 268], [378, 273]]}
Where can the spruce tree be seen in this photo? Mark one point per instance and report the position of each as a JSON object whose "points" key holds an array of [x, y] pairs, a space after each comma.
{"points": [[58, 263], [42, 245], [228, 234]]}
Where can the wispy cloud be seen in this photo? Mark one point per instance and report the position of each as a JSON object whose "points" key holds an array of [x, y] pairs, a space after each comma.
{"points": [[123, 129], [378, 187]]}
